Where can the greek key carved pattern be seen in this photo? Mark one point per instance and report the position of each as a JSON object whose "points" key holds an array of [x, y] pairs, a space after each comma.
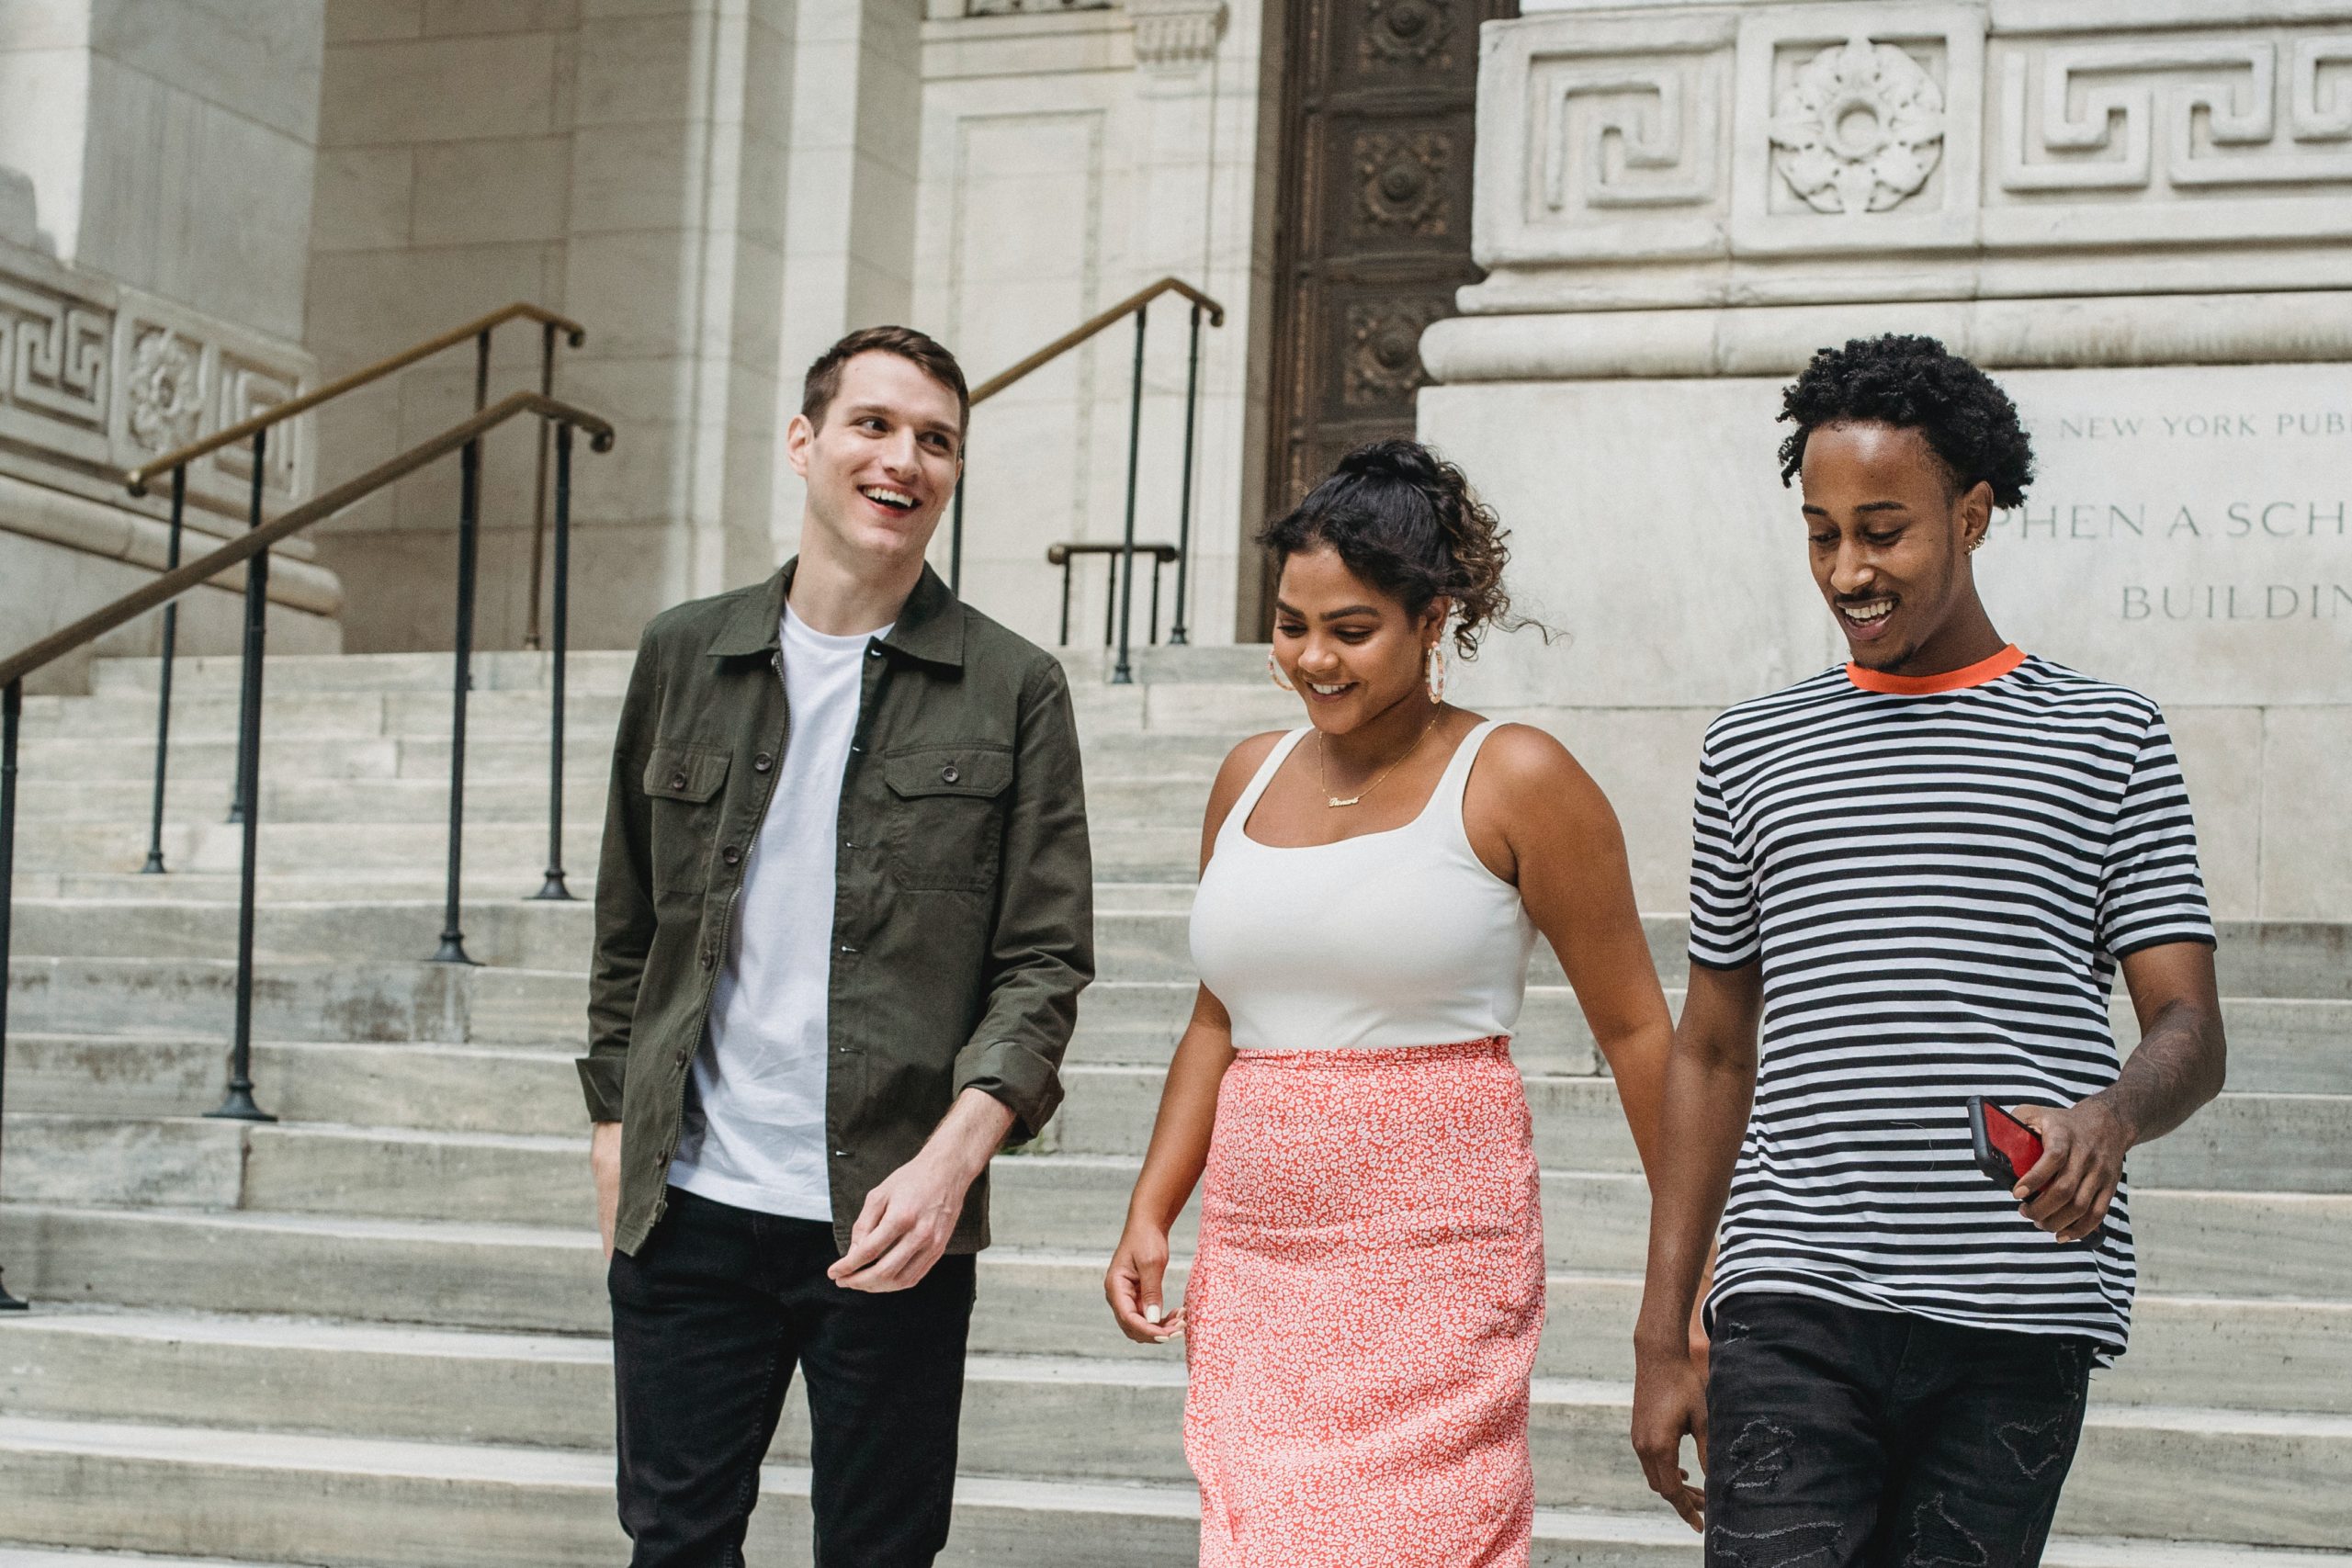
{"points": [[246, 387], [54, 354], [1630, 135], [2195, 112]]}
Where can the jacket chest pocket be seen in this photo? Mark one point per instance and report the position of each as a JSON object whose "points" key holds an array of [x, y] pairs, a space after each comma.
{"points": [[684, 784], [946, 814]]}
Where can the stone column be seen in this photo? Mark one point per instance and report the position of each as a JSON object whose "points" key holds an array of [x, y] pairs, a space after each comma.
{"points": [[2134, 213], [849, 244], [152, 267], [623, 164]]}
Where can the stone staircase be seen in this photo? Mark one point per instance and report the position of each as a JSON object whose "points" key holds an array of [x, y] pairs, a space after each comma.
{"points": [[371, 1333]]}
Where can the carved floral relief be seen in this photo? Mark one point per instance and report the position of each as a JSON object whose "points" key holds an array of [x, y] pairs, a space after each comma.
{"points": [[1402, 180], [166, 391], [1859, 129]]}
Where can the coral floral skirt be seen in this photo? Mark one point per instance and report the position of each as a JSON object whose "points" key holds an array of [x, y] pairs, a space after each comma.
{"points": [[1363, 1312]]}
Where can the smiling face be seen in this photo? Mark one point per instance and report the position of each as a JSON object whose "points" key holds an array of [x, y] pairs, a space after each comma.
{"points": [[882, 467], [1889, 545], [1353, 651]]}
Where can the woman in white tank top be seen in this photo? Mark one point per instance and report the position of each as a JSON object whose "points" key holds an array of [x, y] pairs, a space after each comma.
{"points": [[1362, 1311]]}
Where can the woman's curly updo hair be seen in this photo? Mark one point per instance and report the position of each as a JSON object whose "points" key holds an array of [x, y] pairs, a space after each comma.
{"points": [[1407, 521], [1914, 383]]}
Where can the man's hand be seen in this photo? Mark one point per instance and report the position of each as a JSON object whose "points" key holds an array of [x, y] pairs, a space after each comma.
{"points": [[1669, 1400], [911, 1216], [2069, 1188], [604, 1165]]}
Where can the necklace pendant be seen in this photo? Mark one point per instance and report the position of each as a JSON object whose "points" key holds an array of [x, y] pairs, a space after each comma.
{"points": [[1332, 801]]}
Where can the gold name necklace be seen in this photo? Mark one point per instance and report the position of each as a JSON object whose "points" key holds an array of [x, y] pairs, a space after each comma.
{"points": [[1323, 777]]}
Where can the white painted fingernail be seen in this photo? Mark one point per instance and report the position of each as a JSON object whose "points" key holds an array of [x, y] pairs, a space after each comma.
{"points": [[1151, 1313]]}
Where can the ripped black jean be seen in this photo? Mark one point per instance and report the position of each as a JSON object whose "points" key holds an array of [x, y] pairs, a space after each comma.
{"points": [[1850, 1439]]}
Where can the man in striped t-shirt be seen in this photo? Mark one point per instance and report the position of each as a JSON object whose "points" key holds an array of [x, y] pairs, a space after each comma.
{"points": [[1920, 873]]}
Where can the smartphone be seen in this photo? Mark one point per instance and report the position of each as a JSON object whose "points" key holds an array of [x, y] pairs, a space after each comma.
{"points": [[2005, 1147]]}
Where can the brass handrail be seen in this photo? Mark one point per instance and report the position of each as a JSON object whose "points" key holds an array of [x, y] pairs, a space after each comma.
{"points": [[137, 479], [172, 585], [1079, 335]]}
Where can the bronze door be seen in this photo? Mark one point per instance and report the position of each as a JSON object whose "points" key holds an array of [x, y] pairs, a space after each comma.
{"points": [[1372, 220]]}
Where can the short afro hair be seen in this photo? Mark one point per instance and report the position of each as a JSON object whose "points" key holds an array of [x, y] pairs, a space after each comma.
{"points": [[1914, 383]]}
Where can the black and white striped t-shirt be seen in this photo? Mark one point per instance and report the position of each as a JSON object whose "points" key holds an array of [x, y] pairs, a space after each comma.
{"points": [[1938, 876]]}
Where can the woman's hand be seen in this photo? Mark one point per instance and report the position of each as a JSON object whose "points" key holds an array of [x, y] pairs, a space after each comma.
{"points": [[1133, 1285]]}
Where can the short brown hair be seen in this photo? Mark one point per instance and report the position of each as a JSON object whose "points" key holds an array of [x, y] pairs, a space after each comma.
{"points": [[925, 353]]}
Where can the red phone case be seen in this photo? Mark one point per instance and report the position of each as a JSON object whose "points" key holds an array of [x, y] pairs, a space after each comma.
{"points": [[2001, 1139]]}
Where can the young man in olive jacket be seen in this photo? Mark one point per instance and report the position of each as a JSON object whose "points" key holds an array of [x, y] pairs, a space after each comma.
{"points": [[842, 917]]}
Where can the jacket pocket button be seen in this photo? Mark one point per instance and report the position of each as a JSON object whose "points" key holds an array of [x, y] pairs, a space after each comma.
{"points": [[763, 763], [677, 781], [708, 958], [948, 774], [730, 855]]}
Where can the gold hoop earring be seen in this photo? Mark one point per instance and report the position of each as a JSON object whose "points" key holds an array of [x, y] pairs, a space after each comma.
{"points": [[1437, 673], [1274, 670]]}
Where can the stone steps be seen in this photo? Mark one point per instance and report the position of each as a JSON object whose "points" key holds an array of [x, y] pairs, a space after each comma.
{"points": [[2242, 1244], [1043, 1417], [383, 1318], [2286, 1142]]}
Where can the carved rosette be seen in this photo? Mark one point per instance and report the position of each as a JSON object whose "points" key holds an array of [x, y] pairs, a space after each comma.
{"points": [[1406, 32], [166, 391], [1859, 129], [1385, 349], [1401, 181]]}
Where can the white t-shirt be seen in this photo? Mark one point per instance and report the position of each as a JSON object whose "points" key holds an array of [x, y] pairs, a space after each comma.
{"points": [[754, 1132]]}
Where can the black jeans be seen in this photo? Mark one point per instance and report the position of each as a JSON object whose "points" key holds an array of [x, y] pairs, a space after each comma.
{"points": [[1847, 1438], [708, 1320]]}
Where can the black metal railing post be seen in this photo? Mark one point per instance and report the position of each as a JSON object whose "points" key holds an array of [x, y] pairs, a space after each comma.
{"points": [[249, 685], [453, 938], [539, 487], [1176, 633], [154, 866], [12, 708], [553, 888], [237, 1104], [1124, 673]]}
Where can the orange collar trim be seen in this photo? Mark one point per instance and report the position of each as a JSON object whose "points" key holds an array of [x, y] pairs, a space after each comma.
{"points": [[1976, 674]]}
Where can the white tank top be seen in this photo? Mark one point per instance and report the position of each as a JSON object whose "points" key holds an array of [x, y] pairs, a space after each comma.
{"points": [[1395, 938]]}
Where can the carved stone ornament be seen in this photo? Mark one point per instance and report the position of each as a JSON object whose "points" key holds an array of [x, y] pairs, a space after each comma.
{"points": [[1859, 129], [1176, 35], [1402, 181], [1384, 350], [1407, 33], [166, 392]]}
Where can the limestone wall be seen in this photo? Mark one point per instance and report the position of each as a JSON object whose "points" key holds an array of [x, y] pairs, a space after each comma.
{"points": [[155, 210], [1067, 159], [2134, 211], [623, 164]]}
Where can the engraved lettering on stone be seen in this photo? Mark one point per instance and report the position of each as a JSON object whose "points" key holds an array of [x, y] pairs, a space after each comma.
{"points": [[1859, 129], [1402, 181], [2187, 113], [166, 391], [1630, 136], [1384, 350], [55, 353], [1406, 32]]}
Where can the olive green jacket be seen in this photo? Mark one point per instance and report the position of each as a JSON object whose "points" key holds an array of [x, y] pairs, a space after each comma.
{"points": [[963, 917]]}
